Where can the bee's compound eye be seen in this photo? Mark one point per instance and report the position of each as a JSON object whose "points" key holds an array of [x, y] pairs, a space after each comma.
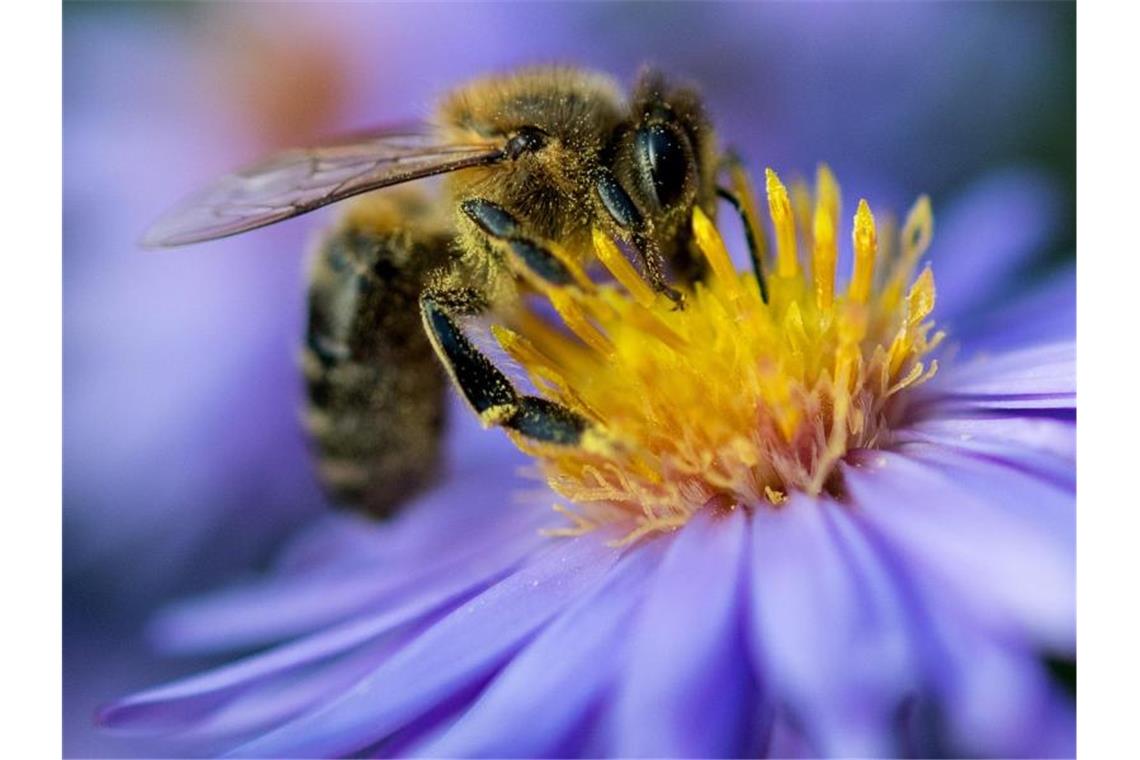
{"points": [[664, 163], [526, 140]]}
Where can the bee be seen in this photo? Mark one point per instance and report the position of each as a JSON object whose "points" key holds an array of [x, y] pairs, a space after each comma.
{"points": [[533, 162]]}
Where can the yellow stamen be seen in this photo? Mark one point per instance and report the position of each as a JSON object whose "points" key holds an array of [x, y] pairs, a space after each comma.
{"points": [[918, 230], [579, 524], [780, 208], [920, 300], [572, 314], [709, 241], [544, 371], [802, 204], [866, 247], [915, 238], [824, 253], [827, 192], [775, 497], [610, 255]]}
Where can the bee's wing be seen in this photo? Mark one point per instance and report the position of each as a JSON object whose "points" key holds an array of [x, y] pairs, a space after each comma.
{"points": [[297, 181]]}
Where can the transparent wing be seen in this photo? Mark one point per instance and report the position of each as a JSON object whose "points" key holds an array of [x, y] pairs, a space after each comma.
{"points": [[297, 181]]}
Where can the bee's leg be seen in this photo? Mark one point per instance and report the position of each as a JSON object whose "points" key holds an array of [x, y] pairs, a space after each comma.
{"points": [[625, 216], [750, 236], [536, 260], [532, 257], [375, 390], [652, 259], [485, 388], [742, 198]]}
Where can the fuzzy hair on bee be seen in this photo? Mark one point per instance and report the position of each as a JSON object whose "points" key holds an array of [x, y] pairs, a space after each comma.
{"points": [[577, 133], [533, 163], [375, 389]]}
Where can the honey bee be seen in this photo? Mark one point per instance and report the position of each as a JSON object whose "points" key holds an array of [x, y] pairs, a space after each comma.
{"points": [[532, 160]]}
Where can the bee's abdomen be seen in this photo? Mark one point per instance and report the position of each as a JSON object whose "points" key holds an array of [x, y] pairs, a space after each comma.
{"points": [[375, 388]]}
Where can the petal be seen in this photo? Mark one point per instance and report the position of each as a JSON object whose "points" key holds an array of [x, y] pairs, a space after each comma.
{"points": [[1045, 314], [270, 701], [827, 627], [295, 604], [1041, 446], [1047, 505], [687, 690], [183, 703], [1041, 377], [995, 695], [787, 741], [472, 499], [460, 650], [986, 693], [1000, 542], [573, 660], [990, 234]]}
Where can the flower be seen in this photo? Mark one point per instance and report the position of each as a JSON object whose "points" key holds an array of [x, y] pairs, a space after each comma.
{"points": [[877, 559], [756, 389]]}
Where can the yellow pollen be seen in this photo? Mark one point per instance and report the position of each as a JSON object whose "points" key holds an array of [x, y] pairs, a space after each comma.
{"points": [[732, 399]]}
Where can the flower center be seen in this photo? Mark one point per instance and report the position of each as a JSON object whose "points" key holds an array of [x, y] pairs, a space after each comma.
{"points": [[743, 395]]}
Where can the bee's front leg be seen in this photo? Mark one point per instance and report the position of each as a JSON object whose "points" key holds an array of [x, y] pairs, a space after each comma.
{"points": [[485, 388], [531, 258], [539, 262], [630, 225], [742, 198]]}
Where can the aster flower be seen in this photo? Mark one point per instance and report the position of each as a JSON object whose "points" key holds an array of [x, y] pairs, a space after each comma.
{"points": [[794, 523]]}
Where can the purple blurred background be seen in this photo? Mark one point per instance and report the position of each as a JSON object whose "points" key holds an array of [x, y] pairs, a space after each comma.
{"points": [[183, 461]]}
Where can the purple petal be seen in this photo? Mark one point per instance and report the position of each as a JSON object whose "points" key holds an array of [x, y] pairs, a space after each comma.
{"points": [[574, 658], [183, 703], [270, 701], [986, 692], [1040, 446], [996, 696], [787, 741], [463, 648], [983, 239], [1001, 542], [1042, 377], [473, 498], [828, 632], [1047, 506], [292, 605], [687, 690], [1045, 314]]}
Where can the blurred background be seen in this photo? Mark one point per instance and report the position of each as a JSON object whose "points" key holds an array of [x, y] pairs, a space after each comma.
{"points": [[184, 466]]}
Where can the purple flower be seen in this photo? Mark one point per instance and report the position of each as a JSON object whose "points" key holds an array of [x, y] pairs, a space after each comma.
{"points": [[894, 583]]}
